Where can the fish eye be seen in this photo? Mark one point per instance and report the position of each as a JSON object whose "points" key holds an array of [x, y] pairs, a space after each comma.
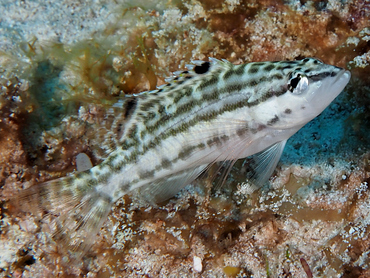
{"points": [[298, 84]]}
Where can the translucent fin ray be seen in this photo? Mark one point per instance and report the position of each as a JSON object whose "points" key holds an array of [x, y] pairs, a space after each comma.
{"points": [[167, 187], [265, 162], [226, 165], [262, 164], [76, 215]]}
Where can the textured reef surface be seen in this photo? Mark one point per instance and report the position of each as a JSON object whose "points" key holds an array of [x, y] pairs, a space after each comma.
{"points": [[64, 63]]}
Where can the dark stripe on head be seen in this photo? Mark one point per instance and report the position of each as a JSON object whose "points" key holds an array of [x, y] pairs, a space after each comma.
{"points": [[321, 75]]}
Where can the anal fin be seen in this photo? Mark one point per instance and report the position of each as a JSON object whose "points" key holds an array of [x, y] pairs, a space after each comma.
{"points": [[167, 187]]}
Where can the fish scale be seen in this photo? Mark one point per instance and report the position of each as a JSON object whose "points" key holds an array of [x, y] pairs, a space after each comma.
{"points": [[164, 139]]}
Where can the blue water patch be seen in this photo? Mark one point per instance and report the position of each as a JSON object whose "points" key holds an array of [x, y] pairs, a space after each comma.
{"points": [[329, 135]]}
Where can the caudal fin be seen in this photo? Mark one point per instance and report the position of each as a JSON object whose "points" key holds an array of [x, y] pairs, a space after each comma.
{"points": [[77, 211]]}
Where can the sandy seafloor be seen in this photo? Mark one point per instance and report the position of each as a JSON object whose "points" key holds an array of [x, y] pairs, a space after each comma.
{"points": [[62, 63]]}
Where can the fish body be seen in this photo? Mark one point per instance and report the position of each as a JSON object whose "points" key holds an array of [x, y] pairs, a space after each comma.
{"points": [[164, 139]]}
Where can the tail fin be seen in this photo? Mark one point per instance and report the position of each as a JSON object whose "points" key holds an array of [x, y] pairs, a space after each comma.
{"points": [[77, 209]]}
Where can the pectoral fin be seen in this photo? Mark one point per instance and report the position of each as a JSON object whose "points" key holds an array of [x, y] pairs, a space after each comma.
{"points": [[264, 163]]}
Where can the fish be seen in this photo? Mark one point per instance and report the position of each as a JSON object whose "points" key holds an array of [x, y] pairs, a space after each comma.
{"points": [[162, 140]]}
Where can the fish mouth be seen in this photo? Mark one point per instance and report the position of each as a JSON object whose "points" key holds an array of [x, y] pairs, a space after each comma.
{"points": [[338, 83], [343, 76], [328, 91]]}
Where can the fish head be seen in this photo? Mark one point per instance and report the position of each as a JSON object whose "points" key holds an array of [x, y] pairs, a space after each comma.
{"points": [[308, 86]]}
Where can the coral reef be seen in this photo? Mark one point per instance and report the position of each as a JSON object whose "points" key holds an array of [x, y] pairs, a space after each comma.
{"points": [[66, 63]]}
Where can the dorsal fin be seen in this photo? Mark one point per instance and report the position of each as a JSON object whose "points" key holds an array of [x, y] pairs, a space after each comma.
{"points": [[195, 69]]}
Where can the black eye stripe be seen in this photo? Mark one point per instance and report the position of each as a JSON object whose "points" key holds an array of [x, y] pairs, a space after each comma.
{"points": [[322, 75]]}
